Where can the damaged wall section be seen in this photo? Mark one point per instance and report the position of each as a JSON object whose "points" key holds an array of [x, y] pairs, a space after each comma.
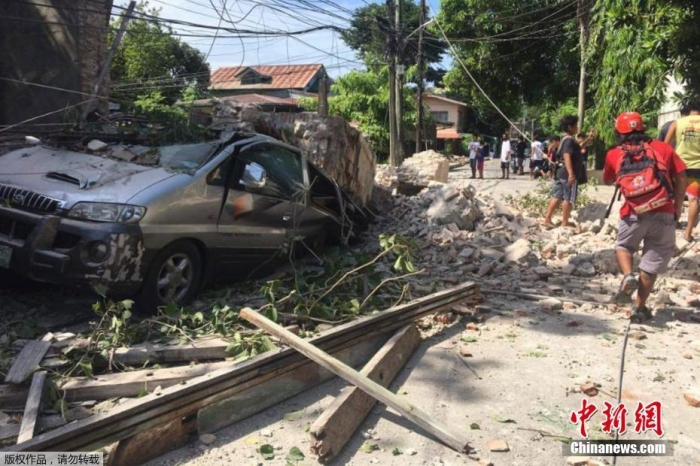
{"points": [[330, 142]]}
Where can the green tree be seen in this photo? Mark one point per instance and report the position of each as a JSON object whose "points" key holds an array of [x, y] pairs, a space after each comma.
{"points": [[150, 58], [370, 27], [362, 97], [521, 53], [633, 50]]}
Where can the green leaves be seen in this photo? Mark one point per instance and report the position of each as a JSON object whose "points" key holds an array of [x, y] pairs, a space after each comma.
{"points": [[369, 447], [267, 451], [295, 455]]}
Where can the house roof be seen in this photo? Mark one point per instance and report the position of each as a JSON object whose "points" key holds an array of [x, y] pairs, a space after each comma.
{"points": [[444, 99], [283, 77]]}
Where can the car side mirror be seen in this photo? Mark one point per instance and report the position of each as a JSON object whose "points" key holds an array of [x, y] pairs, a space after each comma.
{"points": [[253, 176]]}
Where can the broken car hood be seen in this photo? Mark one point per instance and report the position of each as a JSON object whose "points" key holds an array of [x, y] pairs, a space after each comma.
{"points": [[73, 176]]}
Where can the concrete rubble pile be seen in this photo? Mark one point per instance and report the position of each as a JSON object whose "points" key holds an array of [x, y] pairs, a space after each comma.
{"points": [[417, 171], [462, 234]]}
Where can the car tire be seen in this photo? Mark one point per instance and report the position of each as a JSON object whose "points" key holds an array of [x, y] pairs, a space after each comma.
{"points": [[174, 276]]}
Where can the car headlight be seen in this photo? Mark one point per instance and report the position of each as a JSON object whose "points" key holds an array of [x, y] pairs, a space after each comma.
{"points": [[106, 212]]}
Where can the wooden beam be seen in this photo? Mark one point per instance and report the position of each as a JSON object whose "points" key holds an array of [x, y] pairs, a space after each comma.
{"points": [[155, 442], [31, 411], [334, 428], [248, 402], [27, 361], [187, 398], [13, 397], [199, 350], [402, 406], [130, 384]]}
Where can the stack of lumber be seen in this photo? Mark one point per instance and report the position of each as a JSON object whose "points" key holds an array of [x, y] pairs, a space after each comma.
{"points": [[184, 402]]}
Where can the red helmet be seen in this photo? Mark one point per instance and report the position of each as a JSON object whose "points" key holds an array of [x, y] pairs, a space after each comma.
{"points": [[628, 122]]}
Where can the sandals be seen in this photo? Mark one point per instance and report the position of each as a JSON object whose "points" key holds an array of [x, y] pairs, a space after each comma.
{"points": [[641, 314], [628, 286]]}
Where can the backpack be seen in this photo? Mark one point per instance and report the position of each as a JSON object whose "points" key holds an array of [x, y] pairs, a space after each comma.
{"points": [[645, 184]]}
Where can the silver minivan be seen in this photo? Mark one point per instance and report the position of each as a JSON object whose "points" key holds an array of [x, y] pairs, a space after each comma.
{"points": [[156, 223]]}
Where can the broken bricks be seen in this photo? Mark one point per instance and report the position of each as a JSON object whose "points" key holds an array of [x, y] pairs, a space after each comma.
{"points": [[497, 445], [589, 388]]}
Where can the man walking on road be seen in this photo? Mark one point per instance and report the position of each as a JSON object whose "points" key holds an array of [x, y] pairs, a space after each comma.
{"points": [[652, 178], [505, 157], [686, 134], [567, 175]]}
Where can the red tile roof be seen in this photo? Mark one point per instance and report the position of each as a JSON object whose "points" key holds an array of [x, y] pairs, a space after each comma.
{"points": [[283, 77]]}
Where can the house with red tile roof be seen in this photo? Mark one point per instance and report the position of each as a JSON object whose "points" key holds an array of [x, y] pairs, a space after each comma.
{"points": [[281, 81]]}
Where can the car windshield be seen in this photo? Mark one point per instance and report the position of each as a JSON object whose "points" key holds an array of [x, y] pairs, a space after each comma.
{"points": [[186, 156]]}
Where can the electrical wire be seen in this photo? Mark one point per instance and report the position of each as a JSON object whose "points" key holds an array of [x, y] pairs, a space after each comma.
{"points": [[459, 59]]}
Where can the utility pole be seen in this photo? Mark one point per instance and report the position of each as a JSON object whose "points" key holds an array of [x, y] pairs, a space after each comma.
{"points": [[399, 82], [583, 11], [110, 56], [391, 59], [421, 71], [323, 96]]}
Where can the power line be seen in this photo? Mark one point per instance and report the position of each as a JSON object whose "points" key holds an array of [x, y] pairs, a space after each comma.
{"points": [[459, 59]]}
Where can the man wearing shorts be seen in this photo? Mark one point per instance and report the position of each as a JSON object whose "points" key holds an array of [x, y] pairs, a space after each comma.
{"points": [[655, 228], [686, 134], [505, 157], [565, 184]]}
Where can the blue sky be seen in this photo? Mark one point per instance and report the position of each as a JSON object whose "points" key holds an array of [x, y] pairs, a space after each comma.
{"points": [[324, 46]]}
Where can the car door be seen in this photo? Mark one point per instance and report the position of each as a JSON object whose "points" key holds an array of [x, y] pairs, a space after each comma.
{"points": [[260, 206]]}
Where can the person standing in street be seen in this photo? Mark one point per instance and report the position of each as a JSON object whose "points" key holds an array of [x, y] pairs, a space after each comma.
{"points": [[505, 157], [481, 157], [568, 174], [520, 148], [686, 134], [663, 132], [652, 179], [536, 156], [549, 165], [473, 151]]}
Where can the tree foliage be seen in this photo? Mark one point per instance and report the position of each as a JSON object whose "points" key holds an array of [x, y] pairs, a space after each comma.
{"points": [[632, 52], [521, 53], [363, 97], [370, 27], [150, 59]]}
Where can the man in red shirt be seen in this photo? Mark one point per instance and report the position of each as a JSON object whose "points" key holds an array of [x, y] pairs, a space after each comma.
{"points": [[642, 220]]}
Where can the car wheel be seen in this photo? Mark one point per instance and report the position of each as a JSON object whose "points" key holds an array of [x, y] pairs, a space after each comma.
{"points": [[174, 276]]}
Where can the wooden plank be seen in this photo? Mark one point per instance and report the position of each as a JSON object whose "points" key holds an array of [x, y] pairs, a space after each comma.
{"points": [[155, 442], [335, 427], [27, 361], [13, 397], [141, 414], [130, 384], [246, 403], [402, 406], [199, 350], [31, 411]]}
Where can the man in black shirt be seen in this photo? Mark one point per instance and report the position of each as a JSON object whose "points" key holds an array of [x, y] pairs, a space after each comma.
{"points": [[569, 165], [520, 153]]}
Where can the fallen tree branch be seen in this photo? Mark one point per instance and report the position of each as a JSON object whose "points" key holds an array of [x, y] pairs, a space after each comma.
{"points": [[388, 280]]}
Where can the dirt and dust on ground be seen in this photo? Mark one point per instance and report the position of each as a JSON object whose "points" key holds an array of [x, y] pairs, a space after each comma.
{"points": [[508, 372]]}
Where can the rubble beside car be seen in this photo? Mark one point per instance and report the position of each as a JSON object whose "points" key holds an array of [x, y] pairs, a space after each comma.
{"points": [[156, 223]]}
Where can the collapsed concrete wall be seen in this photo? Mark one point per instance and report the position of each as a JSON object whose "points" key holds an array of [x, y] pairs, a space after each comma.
{"points": [[329, 142]]}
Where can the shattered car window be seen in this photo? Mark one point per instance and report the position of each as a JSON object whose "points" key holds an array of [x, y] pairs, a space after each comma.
{"points": [[285, 178], [186, 156]]}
